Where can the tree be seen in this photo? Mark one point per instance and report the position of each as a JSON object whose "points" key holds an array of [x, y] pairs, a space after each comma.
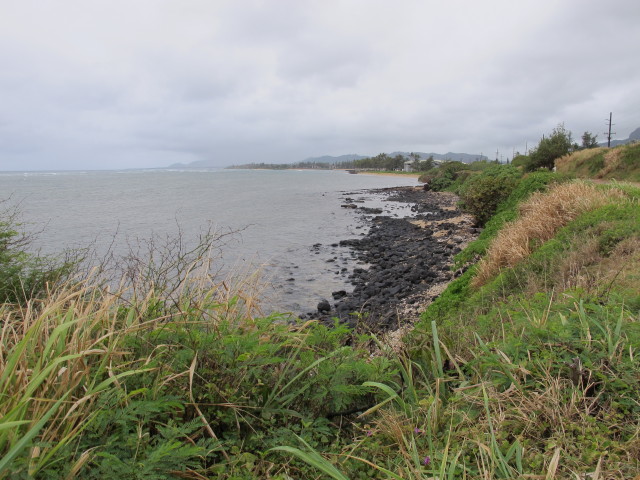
{"points": [[589, 140], [427, 164], [396, 163], [550, 148]]}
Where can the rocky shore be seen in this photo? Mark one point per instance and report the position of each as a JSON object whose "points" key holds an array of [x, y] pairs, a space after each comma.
{"points": [[403, 262]]}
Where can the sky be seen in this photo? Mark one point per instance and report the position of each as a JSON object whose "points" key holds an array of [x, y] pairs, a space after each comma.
{"points": [[112, 84]]}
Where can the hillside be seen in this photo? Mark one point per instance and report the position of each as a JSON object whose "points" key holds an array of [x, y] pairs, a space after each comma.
{"points": [[618, 163]]}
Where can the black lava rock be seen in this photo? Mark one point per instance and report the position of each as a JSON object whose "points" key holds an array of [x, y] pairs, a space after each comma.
{"points": [[324, 306]]}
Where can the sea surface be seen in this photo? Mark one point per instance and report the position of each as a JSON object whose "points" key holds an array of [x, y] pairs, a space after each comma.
{"points": [[282, 223]]}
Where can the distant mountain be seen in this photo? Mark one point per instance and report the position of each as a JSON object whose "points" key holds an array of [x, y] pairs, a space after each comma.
{"points": [[633, 137], [196, 164]]}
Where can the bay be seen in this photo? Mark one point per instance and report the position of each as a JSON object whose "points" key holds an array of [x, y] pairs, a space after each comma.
{"points": [[281, 222]]}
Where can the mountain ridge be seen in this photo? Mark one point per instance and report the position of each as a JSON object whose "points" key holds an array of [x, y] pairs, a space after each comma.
{"points": [[633, 137]]}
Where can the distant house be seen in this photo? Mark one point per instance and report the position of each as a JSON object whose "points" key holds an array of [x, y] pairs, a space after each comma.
{"points": [[408, 166]]}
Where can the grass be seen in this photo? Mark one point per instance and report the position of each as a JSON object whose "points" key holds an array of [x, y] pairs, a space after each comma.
{"points": [[541, 216], [621, 163], [95, 381]]}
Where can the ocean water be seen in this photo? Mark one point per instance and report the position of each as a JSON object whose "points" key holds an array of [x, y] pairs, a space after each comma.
{"points": [[282, 222]]}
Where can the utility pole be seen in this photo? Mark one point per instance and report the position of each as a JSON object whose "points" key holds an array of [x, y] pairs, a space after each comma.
{"points": [[608, 134]]}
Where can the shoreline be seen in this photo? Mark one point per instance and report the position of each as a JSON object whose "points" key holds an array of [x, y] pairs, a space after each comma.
{"points": [[346, 170], [406, 261], [392, 174]]}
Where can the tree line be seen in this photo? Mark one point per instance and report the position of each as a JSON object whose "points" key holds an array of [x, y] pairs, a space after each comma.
{"points": [[382, 161]]}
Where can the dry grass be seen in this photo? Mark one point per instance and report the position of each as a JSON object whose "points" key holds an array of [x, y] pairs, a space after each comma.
{"points": [[619, 162], [589, 269], [612, 161], [50, 351], [576, 160], [540, 218], [555, 415]]}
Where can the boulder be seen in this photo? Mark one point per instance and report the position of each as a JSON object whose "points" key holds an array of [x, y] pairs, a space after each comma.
{"points": [[324, 306]]}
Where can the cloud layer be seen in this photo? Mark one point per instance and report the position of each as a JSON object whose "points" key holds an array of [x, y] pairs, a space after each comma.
{"points": [[114, 84]]}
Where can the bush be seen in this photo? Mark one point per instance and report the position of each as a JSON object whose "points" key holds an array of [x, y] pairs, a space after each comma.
{"points": [[520, 160], [482, 193], [442, 177], [24, 275]]}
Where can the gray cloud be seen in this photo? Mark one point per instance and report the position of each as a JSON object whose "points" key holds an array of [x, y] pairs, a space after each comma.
{"points": [[114, 84]]}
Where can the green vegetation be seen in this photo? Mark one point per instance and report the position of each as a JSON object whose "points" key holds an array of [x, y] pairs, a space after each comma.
{"points": [[545, 334], [24, 276], [526, 366], [589, 140], [481, 194], [549, 148], [450, 175], [381, 162], [285, 166]]}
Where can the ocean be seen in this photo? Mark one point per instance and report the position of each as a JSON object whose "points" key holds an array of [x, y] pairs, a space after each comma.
{"points": [[284, 223]]}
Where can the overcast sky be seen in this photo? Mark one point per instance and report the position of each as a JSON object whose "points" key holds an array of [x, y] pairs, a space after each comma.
{"points": [[95, 84]]}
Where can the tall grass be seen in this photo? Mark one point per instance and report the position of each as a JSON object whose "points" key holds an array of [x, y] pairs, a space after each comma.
{"points": [[144, 386], [64, 351], [540, 218], [56, 356], [583, 163]]}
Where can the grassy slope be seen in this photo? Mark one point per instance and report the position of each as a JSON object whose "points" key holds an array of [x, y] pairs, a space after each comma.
{"points": [[620, 163], [549, 346]]}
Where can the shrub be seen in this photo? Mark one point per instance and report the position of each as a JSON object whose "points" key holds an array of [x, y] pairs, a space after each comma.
{"points": [[24, 275], [520, 160], [442, 177], [482, 193]]}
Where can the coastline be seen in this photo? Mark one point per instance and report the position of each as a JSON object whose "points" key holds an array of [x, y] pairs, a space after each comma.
{"points": [[378, 173], [392, 174], [405, 261]]}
